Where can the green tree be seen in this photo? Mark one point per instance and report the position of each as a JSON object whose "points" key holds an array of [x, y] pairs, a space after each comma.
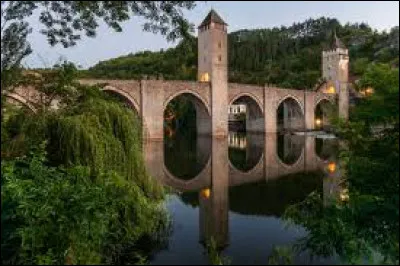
{"points": [[365, 227], [57, 215], [382, 106], [65, 21], [74, 187]]}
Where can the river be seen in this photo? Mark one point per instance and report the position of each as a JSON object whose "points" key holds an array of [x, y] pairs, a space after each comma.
{"points": [[236, 190]]}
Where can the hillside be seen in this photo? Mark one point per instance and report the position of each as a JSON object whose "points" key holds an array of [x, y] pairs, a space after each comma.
{"points": [[285, 56]]}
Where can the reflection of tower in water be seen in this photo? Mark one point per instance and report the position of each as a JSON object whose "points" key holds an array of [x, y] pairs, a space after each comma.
{"points": [[334, 187], [214, 201], [213, 217]]}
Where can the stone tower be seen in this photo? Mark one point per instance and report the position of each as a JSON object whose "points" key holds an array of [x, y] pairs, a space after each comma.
{"points": [[213, 67], [335, 70]]}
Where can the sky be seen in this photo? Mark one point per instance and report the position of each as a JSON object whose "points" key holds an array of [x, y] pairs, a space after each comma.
{"points": [[381, 15]]}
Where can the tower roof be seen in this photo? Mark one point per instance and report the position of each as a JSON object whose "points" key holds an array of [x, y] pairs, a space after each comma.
{"points": [[337, 43], [212, 17]]}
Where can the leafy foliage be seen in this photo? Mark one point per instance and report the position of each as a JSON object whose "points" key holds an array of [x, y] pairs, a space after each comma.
{"points": [[382, 107], [88, 199], [14, 45], [281, 256], [365, 227], [178, 63], [53, 215], [180, 115], [64, 20], [214, 253], [94, 132]]}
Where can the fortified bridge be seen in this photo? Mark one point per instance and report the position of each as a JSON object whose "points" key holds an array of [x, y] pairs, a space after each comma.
{"points": [[212, 94]]}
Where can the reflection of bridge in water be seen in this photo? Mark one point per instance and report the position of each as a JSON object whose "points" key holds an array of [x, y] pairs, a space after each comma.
{"points": [[269, 158], [236, 140]]}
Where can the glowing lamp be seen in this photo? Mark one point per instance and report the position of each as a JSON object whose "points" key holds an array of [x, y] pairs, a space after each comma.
{"points": [[331, 90], [318, 122], [344, 194], [205, 193], [205, 77], [369, 90], [332, 167]]}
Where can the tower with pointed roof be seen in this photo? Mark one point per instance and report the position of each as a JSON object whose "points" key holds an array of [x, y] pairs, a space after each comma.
{"points": [[213, 68], [335, 70]]}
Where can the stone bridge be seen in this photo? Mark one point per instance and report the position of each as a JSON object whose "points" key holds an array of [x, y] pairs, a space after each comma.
{"points": [[149, 99], [269, 108]]}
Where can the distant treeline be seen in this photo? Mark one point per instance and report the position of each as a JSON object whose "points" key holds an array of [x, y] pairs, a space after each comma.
{"points": [[285, 56]]}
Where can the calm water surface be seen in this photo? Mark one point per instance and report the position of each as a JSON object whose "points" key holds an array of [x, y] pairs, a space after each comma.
{"points": [[236, 190]]}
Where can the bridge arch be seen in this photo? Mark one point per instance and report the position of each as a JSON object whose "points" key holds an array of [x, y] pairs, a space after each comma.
{"points": [[132, 104], [322, 108], [260, 163], [290, 114], [291, 97], [238, 177], [247, 97], [326, 149], [324, 98], [202, 180], [254, 111], [203, 112], [245, 151], [21, 100], [194, 95], [290, 150]]}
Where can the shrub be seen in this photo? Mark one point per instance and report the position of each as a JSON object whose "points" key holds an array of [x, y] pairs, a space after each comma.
{"points": [[55, 215]]}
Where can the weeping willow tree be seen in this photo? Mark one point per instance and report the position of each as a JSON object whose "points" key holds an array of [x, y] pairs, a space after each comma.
{"points": [[102, 135], [74, 186], [97, 131]]}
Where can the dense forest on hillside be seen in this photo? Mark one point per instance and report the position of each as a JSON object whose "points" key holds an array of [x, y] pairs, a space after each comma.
{"points": [[285, 56]]}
